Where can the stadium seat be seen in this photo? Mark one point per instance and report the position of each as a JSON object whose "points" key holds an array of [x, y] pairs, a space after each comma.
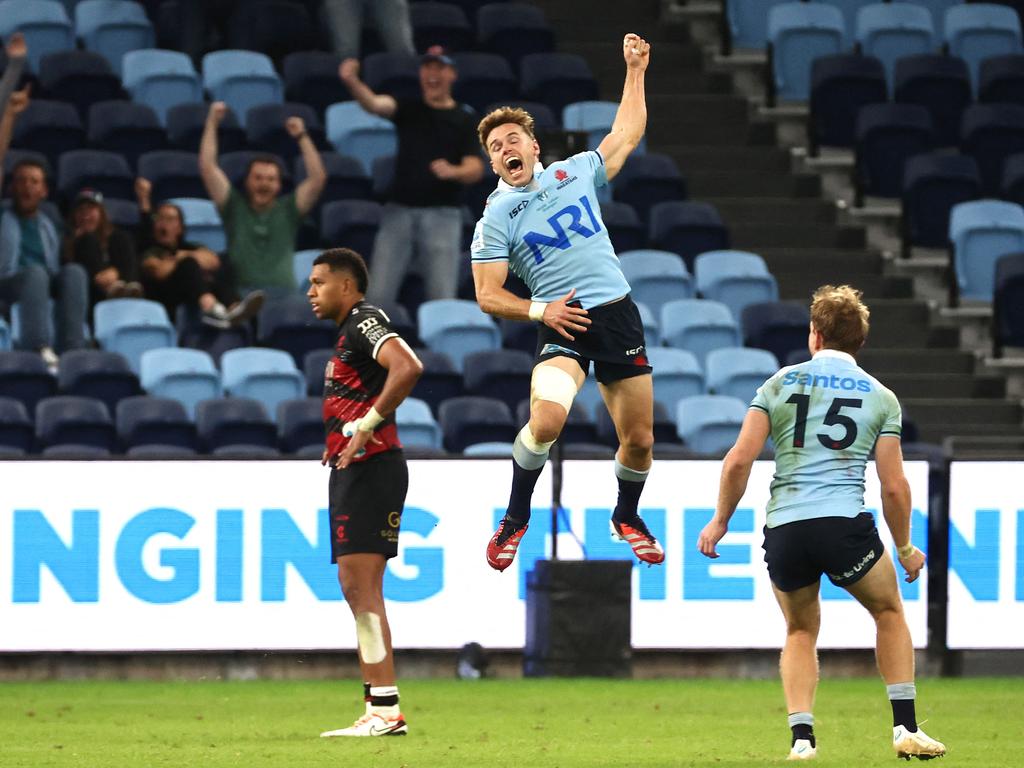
{"points": [[123, 213], [16, 432], [300, 423], [187, 376], [172, 173], [594, 118], [544, 120], [932, 185], [649, 321], [687, 228], [800, 33], [469, 420], [698, 325], [778, 327], [44, 23], [1012, 188], [646, 180], [185, 128], [677, 374], [939, 83], [938, 8], [656, 277], [740, 371], [416, 425], [148, 420], [355, 132], [50, 128], [24, 377], [265, 129], [710, 423], [242, 79], [625, 229], [797, 356], [346, 179], [288, 323], [80, 78], [275, 27], [267, 375], [311, 77], [161, 80], [456, 327], [440, 24], [557, 79], [1001, 79], [104, 376], [76, 452], [850, 10], [747, 22], [1008, 303], [202, 223], [491, 450], [302, 265], [107, 172], [314, 366], [127, 128], [350, 224], [981, 232], [158, 452], [513, 30], [483, 78], [74, 420], [887, 135], [440, 380], [990, 133], [979, 31], [503, 374], [396, 74], [231, 421], [892, 31], [113, 28], [840, 86], [132, 326], [735, 278], [401, 321]]}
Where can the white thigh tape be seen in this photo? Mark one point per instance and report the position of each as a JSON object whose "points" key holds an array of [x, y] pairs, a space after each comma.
{"points": [[554, 385]]}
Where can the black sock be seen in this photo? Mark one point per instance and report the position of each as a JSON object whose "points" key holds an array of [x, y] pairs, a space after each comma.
{"points": [[384, 696], [523, 483], [903, 714], [366, 692], [803, 731], [629, 500]]}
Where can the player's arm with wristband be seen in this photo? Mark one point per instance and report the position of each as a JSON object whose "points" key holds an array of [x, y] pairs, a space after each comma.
{"points": [[896, 503], [631, 118]]}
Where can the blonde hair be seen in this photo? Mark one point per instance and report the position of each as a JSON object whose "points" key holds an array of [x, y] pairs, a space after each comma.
{"points": [[840, 316], [503, 115]]}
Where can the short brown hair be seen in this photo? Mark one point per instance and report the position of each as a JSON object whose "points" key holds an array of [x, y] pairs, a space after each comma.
{"points": [[503, 115], [840, 316]]}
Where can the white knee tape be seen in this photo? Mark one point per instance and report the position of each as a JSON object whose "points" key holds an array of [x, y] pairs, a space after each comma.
{"points": [[554, 385], [370, 638]]}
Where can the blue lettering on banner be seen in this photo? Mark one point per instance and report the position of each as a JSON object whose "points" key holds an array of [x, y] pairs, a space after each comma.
{"points": [[560, 238], [428, 560], [229, 555], [184, 562], [977, 566], [602, 546], [75, 565], [284, 544], [698, 583]]}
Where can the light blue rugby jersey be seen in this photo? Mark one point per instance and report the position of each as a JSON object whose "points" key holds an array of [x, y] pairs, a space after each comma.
{"points": [[825, 417], [551, 233]]}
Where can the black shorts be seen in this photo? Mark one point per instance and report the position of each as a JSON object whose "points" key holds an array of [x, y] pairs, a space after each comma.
{"points": [[843, 548], [614, 341], [366, 502]]}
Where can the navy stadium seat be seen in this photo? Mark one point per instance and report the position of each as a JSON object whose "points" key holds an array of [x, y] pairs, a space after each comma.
{"points": [[275, 27], [469, 420], [126, 128], [161, 80], [24, 377], [148, 420], [932, 185], [840, 86], [440, 380], [346, 179], [401, 321], [158, 452], [314, 366], [624, 227], [113, 28], [16, 433], [396, 74], [74, 420], [107, 172], [776, 326], [942, 85], [76, 452], [687, 228], [288, 323], [441, 24], [123, 213], [646, 180], [557, 79], [544, 119], [300, 423], [887, 135], [80, 78], [49, 127], [1008, 303], [483, 79], [265, 129], [1001, 79], [311, 77], [503, 374], [104, 376], [185, 128], [232, 421], [513, 30], [350, 224], [172, 173], [990, 133]]}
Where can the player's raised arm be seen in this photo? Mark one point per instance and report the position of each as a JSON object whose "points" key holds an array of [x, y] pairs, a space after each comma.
{"points": [[631, 119]]}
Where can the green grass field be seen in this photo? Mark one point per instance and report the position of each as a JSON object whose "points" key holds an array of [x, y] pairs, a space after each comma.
{"points": [[498, 723]]}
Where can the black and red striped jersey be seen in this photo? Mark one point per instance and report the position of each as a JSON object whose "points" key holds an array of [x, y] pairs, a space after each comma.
{"points": [[354, 379]]}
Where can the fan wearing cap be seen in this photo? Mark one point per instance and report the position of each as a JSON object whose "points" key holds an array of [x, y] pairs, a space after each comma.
{"points": [[107, 252], [437, 157]]}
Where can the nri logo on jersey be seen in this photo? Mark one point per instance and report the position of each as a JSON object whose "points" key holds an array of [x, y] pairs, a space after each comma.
{"points": [[572, 216]]}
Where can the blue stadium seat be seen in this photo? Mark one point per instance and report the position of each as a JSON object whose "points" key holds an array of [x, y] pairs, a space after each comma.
{"points": [[185, 128], [850, 10], [747, 22], [300, 423], [80, 78], [288, 324], [314, 366], [311, 77], [656, 277], [50, 128], [468, 420], [979, 31], [187, 376], [840, 86], [74, 420], [440, 380], [172, 173], [1008, 303], [624, 227], [735, 278], [1001, 79], [457, 328], [202, 223], [346, 178], [513, 30], [677, 374], [350, 224], [687, 228], [127, 128], [355, 132], [740, 371], [557, 79], [266, 132], [594, 118], [646, 180], [649, 321], [148, 420], [710, 423], [799, 34], [887, 135], [232, 421], [416, 425], [302, 264], [492, 450], [938, 8], [892, 31], [990, 133], [107, 172], [16, 432], [503, 374], [5, 335], [483, 79], [440, 24], [396, 74], [236, 166], [275, 27], [267, 375], [932, 185], [981, 232], [113, 28], [161, 80], [24, 377], [939, 83], [698, 325], [242, 79], [44, 23], [778, 327], [104, 376], [132, 326]]}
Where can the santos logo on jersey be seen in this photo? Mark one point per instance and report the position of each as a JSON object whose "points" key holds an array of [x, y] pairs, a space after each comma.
{"points": [[560, 238], [826, 382]]}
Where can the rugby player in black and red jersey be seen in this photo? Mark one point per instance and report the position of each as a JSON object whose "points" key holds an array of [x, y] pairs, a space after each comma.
{"points": [[371, 372]]}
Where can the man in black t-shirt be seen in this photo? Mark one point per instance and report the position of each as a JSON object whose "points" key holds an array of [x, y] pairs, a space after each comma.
{"points": [[437, 156]]}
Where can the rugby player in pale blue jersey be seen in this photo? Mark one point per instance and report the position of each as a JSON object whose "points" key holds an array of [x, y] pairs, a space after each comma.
{"points": [[825, 416], [545, 225]]}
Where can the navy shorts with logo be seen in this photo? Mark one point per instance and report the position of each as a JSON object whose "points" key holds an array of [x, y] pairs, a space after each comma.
{"points": [[843, 548], [366, 501], [614, 342]]}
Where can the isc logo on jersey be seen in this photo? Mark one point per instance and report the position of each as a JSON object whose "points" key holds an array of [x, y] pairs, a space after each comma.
{"points": [[825, 382], [560, 234]]}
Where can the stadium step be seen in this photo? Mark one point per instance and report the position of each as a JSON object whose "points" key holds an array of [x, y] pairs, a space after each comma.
{"points": [[720, 183], [945, 385], [956, 411], [882, 362], [799, 286], [775, 210], [750, 236], [752, 159]]}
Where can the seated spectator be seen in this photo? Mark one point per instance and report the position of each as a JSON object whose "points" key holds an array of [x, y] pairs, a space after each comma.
{"points": [[178, 272], [107, 252], [391, 18], [261, 224]]}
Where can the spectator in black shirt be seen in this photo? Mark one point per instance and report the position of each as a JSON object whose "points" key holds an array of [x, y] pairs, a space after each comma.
{"points": [[107, 252]]}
